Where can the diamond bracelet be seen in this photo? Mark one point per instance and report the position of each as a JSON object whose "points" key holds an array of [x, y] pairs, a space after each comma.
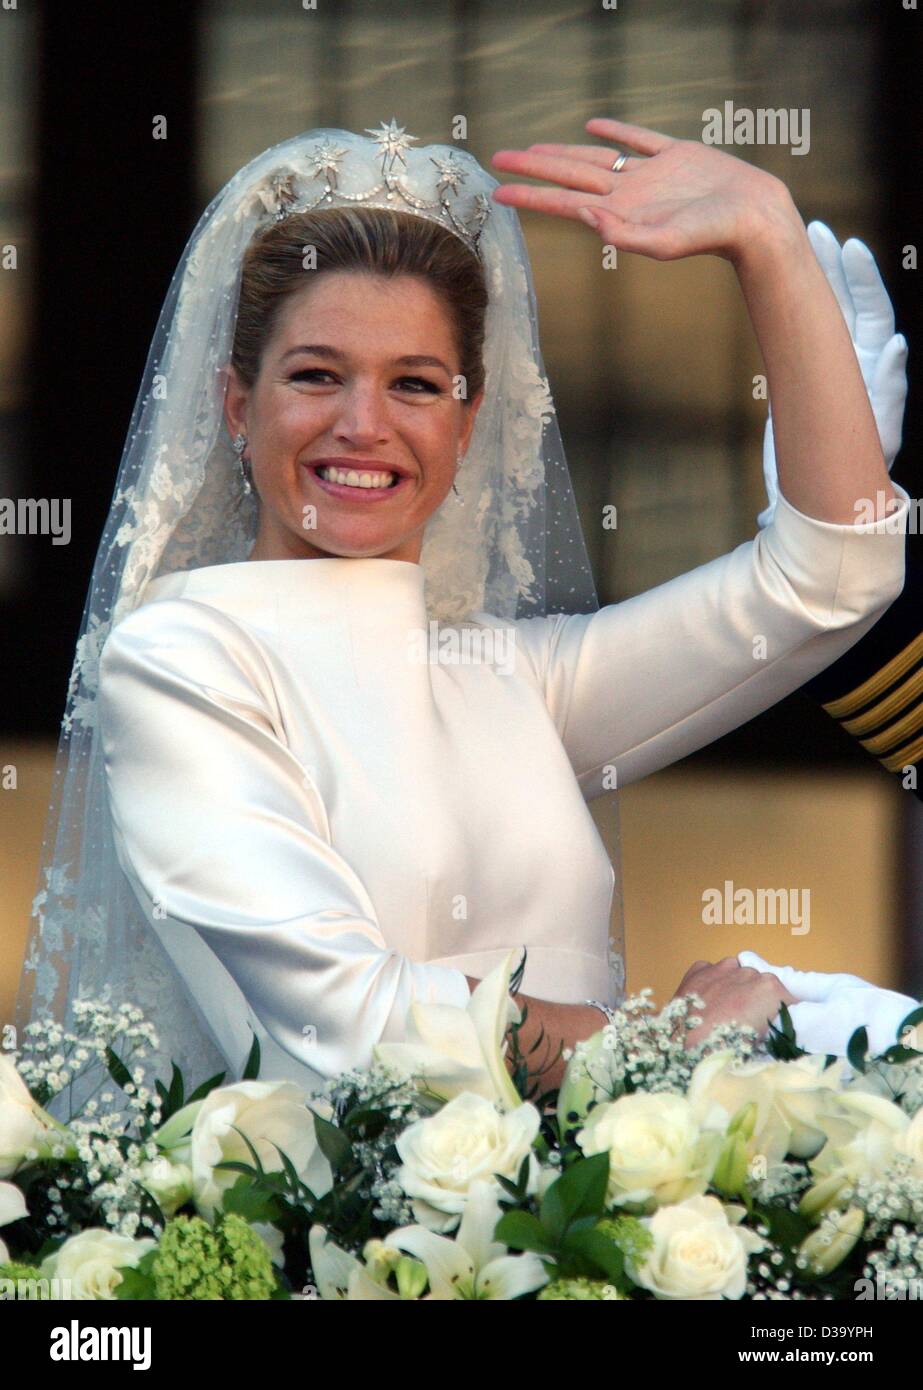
{"points": [[598, 1004]]}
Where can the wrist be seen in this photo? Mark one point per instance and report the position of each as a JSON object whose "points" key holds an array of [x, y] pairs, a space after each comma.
{"points": [[773, 233], [603, 1010]]}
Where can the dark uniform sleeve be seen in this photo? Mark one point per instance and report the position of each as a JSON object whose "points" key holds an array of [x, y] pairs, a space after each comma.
{"points": [[875, 691]]}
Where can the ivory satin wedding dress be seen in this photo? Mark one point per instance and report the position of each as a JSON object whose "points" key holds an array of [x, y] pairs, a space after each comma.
{"points": [[322, 826]]}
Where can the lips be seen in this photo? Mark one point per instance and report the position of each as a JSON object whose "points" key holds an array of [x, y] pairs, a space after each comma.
{"points": [[362, 496]]}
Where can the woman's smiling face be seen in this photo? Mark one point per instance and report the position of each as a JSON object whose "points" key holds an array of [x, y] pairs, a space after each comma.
{"points": [[351, 401]]}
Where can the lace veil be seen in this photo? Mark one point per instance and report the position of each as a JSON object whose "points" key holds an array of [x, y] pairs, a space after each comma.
{"points": [[512, 547]]}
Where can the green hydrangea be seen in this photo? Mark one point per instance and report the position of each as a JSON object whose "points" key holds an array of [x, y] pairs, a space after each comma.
{"points": [[629, 1235], [580, 1288], [226, 1261], [15, 1270]]}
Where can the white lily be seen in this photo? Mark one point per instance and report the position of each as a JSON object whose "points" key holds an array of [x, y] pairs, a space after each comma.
{"points": [[470, 1265], [12, 1208], [473, 1264], [454, 1050], [339, 1275]]}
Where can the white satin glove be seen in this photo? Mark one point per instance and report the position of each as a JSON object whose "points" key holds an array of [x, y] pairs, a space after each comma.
{"points": [[853, 276], [832, 1007]]}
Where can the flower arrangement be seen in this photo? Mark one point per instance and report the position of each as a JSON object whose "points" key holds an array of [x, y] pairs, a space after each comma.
{"points": [[732, 1169]]}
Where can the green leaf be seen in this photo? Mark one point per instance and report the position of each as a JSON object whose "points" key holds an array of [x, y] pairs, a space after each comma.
{"points": [[202, 1091], [137, 1283], [786, 1228], [897, 1053], [857, 1049], [252, 1069], [247, 1199], [580, 1191], [177, 1090], [782, 1043], [333, 1143], [520, 1230], [601, 1252], [117, 1069]]}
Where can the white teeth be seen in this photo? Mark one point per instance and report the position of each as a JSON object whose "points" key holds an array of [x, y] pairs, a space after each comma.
{"points": [[353, 479]]}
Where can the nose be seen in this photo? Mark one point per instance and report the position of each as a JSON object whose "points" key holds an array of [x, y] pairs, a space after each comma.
{"points": [[362, 417]]}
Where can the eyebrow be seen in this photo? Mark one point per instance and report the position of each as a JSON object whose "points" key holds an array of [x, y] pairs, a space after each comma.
{"points": [[324, 350]]}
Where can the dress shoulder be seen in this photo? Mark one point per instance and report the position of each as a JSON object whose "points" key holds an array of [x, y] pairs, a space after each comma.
{"points": [[185, 638]]}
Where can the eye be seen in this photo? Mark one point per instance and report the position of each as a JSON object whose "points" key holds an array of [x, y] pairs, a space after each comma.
{"points": [[308, 372], [313, 373], [421, 381]]}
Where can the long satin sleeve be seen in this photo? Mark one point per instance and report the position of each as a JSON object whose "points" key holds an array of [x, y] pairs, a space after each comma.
{"points": [[642, 683], [225, 832]]}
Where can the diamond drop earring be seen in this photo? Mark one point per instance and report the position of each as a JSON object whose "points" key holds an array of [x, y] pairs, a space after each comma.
{"points": [[240, 443], [454, 488]]}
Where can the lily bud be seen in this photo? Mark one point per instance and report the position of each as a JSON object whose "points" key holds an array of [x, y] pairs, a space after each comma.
{"points": [[411, 1275], [579, 1088], [822, 1197], [829, 1245], [732, 1168], [744, 1121]]}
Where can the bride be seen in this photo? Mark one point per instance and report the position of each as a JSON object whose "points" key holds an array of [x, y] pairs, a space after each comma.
{"points": [[285, 805]]}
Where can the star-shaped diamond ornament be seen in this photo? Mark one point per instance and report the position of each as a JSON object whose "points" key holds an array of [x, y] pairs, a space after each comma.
{"points": [[392, 140]]}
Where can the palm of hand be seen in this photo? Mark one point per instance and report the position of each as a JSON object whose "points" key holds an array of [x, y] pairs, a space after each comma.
{"points": [[693, 197], [683, 199]]}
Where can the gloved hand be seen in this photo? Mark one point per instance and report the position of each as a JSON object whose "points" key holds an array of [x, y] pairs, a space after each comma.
{"points": [[854, 278], [832, 1007]]}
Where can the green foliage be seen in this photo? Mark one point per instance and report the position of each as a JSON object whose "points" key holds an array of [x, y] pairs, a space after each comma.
{"points": [[252, 1068], [857, 1049], [780, 1042], [569, 1230]]}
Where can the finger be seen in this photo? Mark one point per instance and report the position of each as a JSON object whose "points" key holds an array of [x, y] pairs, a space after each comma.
{"points": [[889, 380], [636, 137], [830, 256], [568, 172], [593, 154], [558, 201], [752, 959], [874, 311]]}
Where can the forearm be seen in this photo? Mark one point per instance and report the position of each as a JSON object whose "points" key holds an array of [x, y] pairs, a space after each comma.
{"points": [[558, 1025], [827, 446]]}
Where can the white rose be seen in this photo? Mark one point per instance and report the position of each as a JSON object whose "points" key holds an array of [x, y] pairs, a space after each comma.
{"points": [[269, 1113], [863, 1132], [789, 1097], [170, 1184], [87, 1265], [23, 1124], [468, 1139], [658, 1151], [12, 1208], [699, 1251]]}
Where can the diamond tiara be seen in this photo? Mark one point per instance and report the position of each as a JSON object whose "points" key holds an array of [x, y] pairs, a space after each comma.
{"points": [[280, 194]]}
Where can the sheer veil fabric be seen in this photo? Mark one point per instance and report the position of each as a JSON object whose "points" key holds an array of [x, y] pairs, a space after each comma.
{"points": [[512, 546]]}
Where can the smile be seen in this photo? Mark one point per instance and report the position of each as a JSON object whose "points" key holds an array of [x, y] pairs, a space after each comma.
{"points": [[358, 485]]}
